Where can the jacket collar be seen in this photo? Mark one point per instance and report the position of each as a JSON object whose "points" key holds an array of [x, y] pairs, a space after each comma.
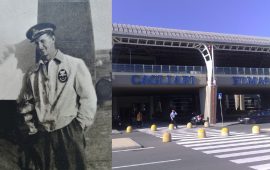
{"points": [[59, 58]]}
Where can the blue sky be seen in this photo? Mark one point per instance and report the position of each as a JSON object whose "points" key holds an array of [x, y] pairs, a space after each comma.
{"points": [[246, 17]]}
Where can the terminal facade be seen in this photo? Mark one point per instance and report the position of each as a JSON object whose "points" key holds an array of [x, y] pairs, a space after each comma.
{"points": [[155, 70]]}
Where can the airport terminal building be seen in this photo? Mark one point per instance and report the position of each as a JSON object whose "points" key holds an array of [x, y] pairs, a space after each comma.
{"points": [[155, 70]]}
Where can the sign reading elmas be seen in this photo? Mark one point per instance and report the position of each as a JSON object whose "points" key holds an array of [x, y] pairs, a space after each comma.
{"points": [[251, 80], [162, 80]]}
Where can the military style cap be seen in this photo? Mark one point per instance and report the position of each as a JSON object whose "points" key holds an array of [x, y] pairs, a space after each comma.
{"points": [[37, 30]]}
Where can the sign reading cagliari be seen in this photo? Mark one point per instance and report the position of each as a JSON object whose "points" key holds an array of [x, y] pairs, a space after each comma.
{"points": [[251, 80], [162, 80]]}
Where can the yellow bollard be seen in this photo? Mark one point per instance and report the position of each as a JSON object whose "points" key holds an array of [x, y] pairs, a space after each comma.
{"points": [[153, 127], [206, 124], [166, 137], [256, 129], [171, 126], [189, 125], [201, 133], [225, 131], [129, 129]]}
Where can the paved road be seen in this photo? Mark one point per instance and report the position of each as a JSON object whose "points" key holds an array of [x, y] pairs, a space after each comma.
{"points": [[241, 150]]}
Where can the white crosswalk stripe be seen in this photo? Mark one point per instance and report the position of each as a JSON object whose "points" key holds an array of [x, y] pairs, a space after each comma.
{"points": [[216, 139], [261, 167], [253, 159], [230, 155], [251, 138], [230, 145], [239, 148], [236, 149]]}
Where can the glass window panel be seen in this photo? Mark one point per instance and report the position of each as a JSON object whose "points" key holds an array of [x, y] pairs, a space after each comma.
{"points": [[165, 69], [241, 70], [173, 69], [157, 69], [260, 71], [219, 70], [254, 71], [233, 70], [227, 70], [189, 69], [148, 68], [247, 71], [138, 68], [182, 69], [266, 71]]}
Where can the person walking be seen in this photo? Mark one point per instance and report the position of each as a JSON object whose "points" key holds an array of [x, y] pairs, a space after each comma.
{"points": [[139, 119], [58, 104], [172, 116]]}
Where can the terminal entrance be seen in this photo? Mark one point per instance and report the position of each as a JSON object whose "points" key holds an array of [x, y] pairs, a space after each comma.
{"points": [[242, 100], [236, 105], [155, 108]]}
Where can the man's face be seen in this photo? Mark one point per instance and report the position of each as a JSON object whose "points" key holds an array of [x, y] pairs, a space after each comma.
{"points": [[45, 45]]}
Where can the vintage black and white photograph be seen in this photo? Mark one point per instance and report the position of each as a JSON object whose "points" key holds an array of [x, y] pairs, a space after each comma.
{"points": [[55, 88]]}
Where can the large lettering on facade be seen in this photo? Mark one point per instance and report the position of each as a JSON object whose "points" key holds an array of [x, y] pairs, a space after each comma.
{"points": [[162, 80], [251, 80]]}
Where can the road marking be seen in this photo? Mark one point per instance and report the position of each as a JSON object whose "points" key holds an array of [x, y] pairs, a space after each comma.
{"points": [[253, 159], [165, 128], [236, 149], [212, 139], [183, 135], [230, 145], [261, 167], [230, 132], [251, 147], [133, 149], [226, 142], [149, 163], [186, 134], [265, 129], [242, 153]]}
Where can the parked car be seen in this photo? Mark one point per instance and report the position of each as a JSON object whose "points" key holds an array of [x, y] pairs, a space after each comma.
{"points": [[259, 116]]}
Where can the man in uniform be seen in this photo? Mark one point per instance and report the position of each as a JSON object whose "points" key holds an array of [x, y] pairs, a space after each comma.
{"points": [[58, 103]]}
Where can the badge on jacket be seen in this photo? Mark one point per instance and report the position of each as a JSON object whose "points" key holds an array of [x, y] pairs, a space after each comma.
{"points": [[62, 76]]}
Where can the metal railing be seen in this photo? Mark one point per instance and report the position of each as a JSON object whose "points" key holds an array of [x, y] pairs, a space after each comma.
{"points": [[143, 68]]}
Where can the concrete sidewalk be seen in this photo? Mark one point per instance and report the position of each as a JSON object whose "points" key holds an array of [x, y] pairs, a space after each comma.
{"points": [[124, 143], [224, 124]]}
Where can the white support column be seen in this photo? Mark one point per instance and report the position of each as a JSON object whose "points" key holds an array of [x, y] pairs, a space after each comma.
{"points": [[211, 90], [242, 102], [237, 101], [208, 58]]}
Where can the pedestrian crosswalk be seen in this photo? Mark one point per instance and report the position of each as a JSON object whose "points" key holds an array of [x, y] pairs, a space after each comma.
{"points": [[240, 148]]}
